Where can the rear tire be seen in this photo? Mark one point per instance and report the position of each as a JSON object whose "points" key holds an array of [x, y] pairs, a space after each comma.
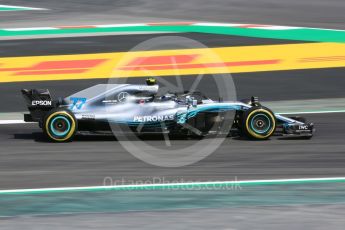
{"points": [[60, 125], [258, 123]]}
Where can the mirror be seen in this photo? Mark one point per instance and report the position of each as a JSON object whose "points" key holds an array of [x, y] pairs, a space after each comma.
{"points": [[190, 101]]}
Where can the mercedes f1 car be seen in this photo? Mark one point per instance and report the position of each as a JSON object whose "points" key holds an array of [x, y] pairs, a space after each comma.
{"points": [[138, 108]]}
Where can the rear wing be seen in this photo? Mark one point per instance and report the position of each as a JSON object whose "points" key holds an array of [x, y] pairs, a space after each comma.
{"points": [[39, 102], [37, 97]]}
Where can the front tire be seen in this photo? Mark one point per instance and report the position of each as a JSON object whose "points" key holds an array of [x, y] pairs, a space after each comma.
{"points": [[60, 125], [259, 123]]}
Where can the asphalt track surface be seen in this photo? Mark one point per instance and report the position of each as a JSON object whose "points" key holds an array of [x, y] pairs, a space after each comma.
{"points": [[316, 217], [122, 43], [315, 13], [28, 161]]}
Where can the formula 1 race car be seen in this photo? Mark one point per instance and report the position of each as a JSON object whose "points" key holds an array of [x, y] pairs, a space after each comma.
{"points": [[138, 108]]}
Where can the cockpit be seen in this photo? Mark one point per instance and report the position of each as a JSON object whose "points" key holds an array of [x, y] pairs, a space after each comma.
{"points": [[105, 94], [180, 98]]}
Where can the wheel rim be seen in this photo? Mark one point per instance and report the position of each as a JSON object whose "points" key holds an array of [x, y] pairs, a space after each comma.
{"points": [[260, 123], [60, 126], [251, 128]]}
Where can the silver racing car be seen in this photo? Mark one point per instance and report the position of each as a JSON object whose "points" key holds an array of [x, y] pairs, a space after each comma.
{"points": [[137, 108]]}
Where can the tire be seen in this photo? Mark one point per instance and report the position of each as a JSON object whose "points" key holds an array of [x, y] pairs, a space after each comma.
{"points": [[60, 125], [258, 123]]}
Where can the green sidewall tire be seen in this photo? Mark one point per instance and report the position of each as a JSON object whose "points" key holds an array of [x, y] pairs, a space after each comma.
{"points": [[63, 116]]}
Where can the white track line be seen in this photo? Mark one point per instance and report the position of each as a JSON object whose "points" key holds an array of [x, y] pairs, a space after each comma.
{"points": [[206, 24], [10, 122], [276, 28], [120, 25], [181, 185], [22, 7], [29, 29], [216, 24], [314, 112]]}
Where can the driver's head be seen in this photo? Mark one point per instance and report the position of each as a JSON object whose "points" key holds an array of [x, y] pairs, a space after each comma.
{"points": [[151, 81]]}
